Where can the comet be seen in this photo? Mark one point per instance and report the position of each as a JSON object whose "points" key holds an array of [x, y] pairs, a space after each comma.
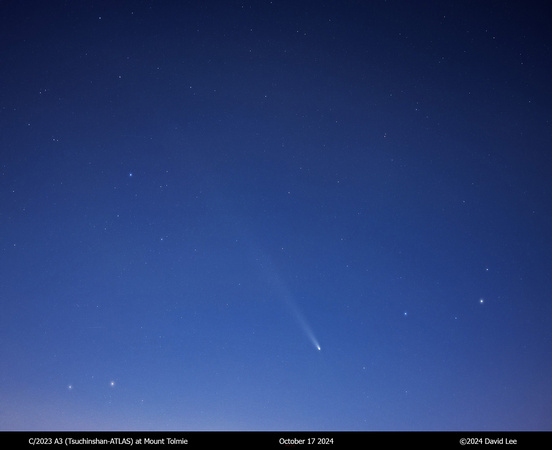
{"points": [[278, 286], [303, 324]]}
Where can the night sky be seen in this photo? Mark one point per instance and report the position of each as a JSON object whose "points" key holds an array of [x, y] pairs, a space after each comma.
{"points": [[273, 215]]}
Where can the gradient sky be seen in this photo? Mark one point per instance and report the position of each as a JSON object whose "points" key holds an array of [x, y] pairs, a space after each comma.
{"points": [[194, 195]]}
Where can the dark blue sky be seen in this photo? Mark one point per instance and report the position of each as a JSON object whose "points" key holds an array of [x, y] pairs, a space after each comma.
{"points": [[195, 195]]}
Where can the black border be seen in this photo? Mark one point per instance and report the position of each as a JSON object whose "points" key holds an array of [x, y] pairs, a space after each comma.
{"points": [[277, 439]]}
